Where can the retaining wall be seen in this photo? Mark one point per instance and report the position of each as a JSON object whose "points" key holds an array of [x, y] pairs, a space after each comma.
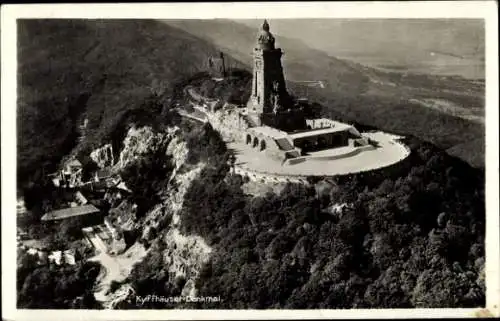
{"points": [[293, 161], [270, 178]]}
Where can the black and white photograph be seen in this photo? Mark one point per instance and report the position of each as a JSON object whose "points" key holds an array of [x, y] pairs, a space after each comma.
{"points": [[250, 159]]}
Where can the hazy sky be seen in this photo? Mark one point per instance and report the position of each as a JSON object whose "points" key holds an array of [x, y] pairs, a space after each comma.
{"points": [[436, 46]]}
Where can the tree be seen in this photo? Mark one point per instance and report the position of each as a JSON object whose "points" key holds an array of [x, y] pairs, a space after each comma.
{"points": [[59, 287], [387, 291], [70, 229], [146, 177], [443, 289]]}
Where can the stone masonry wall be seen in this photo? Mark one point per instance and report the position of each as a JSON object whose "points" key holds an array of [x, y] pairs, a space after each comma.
{"points": [[230, 123]]}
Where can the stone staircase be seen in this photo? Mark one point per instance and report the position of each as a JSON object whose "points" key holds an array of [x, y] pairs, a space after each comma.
{"points": [[284, 144]]}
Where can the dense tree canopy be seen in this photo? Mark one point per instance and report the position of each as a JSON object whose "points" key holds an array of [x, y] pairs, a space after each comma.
{"points": [[416, 241], [147, 177], [55, 287]]}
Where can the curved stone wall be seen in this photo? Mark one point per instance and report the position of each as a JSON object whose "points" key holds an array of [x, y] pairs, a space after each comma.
{"points": [[362, 159], [350, 153], [230, 123], [269, 178]]}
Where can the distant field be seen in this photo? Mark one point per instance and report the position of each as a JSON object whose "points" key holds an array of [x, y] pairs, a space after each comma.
{"points": [[431, 63]]}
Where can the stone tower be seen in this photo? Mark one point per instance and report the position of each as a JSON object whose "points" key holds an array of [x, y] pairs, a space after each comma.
{"points": [[217, 66], [269, 95]]}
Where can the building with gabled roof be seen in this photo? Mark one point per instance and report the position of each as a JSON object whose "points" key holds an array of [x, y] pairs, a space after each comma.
{"points": [[65, 213]]}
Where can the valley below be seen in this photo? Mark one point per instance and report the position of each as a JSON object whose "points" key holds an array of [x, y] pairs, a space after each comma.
{"points": [[475, 114]]}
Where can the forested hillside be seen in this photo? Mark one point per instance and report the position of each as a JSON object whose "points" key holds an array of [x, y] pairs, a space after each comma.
{"points": [[412, 240], [95, 69]]}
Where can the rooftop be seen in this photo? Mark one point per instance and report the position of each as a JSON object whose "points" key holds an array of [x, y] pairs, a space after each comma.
{"points": [[269, 131], [74, 162], [104, 172], [70, 212]]}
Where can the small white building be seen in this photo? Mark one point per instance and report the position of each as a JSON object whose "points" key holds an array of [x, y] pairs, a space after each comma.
{"points": [[39, 254], [80, 198], [70, 175], [69, 257], [55, 257]]}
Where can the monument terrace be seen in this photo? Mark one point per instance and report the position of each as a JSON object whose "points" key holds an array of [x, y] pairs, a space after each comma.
{"points": [[271, 135]]}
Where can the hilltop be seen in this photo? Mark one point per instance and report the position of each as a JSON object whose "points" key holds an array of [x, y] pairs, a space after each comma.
{"points": [[238, 40], [103, 70], [391, 101]]}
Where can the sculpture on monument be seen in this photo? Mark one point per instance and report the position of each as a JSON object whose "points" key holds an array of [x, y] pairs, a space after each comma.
{"points": [[266, 39], [275, 97]]}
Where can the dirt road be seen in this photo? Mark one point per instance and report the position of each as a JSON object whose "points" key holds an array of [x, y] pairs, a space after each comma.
{"points": [[115, 268]]}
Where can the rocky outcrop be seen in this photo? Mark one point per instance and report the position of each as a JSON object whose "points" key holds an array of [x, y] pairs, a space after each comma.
{"points": [[184, 254], [144, 140], [125, 293], [123, 215], [176, 199], [178, 150], [230, 123]]}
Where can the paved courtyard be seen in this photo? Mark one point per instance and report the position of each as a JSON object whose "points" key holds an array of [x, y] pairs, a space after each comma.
{"points": [[389, 152]]}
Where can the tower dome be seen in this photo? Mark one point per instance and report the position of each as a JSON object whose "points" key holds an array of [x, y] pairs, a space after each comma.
{"points": [[265, 39], [265, 25]]}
